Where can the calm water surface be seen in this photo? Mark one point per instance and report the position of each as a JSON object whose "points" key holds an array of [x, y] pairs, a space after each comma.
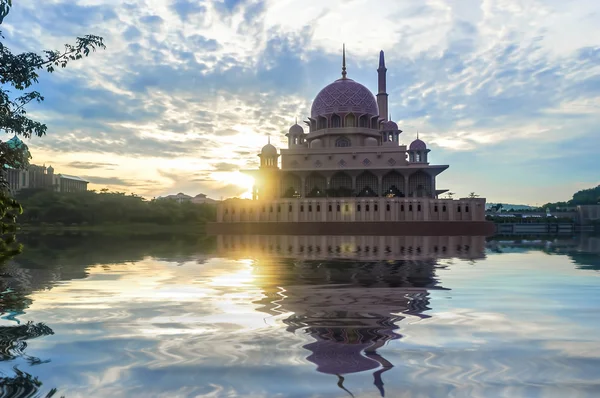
{"points": [[301, 317]]}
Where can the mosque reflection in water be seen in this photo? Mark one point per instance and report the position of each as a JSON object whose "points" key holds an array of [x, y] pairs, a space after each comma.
{"points": [[345, 297], [348, 293]]}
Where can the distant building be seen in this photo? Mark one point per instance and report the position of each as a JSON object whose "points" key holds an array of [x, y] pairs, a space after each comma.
{"points": [[588, 214], [181, 197], [69, 183], [203, 199], [39, 177]]}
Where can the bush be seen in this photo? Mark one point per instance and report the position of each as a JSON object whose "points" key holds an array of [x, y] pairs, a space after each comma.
{"points": [[91, 208]]}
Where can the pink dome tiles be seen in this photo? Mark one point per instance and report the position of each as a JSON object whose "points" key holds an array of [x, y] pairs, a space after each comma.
{"points": [[343, 96], [389, 126], [417, 145]]}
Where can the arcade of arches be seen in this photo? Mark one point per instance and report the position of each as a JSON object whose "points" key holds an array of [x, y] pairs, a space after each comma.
{"points": [[356, 183]]}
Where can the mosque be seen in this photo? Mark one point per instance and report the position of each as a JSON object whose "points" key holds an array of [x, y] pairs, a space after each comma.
{"points": [[350, 167]]}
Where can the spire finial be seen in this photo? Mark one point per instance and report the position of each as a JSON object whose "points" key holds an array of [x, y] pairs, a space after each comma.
{"points": [[296, 119], [344, 61], [381, 60], [269, 139], [417, 134]]}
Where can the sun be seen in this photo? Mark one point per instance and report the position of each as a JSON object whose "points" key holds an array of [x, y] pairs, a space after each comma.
{"points": [[236, 178]]}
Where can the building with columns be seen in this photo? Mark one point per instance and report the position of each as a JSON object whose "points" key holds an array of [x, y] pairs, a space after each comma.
{"points": [[348, 164], [38, 177]]}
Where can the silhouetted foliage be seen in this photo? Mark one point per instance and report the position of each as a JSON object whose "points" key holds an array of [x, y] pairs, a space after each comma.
{"points": [[92, 208], [22, 384], [589, 196], [18, 72]]}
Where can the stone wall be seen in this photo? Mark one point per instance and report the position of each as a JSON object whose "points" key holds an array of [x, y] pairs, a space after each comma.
{"points": [[350, 210], [312, 247], [391, 228]]}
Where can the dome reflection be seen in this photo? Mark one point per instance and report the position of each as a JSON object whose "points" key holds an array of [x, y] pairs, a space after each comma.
{"points": [[348, 294]]}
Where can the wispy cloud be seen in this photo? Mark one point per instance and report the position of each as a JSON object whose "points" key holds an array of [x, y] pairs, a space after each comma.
{"points": [[183, 85]]}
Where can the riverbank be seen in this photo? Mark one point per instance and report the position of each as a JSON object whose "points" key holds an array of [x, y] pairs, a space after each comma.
{"points": [[114, 229]]}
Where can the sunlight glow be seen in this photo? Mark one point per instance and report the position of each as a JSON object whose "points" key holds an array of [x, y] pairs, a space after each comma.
{"points": [[236, 178]]}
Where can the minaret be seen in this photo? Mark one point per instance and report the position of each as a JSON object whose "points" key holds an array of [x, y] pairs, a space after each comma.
{"points": [[382, 95], [344, 61]]}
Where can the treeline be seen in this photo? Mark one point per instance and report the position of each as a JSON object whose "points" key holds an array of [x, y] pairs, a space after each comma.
{"points": [[584, 197], [93, 208]]}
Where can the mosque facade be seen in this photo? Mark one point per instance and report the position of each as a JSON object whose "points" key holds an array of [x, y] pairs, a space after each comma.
{"points": [[348, 164]]}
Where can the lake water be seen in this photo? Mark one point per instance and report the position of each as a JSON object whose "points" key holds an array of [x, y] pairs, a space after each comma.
{"points": [[96, 316]]}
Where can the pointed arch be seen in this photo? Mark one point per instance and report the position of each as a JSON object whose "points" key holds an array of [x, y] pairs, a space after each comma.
{"points": [[375, 122], [336, 121], [393, 184], [291, 186], [340, 185], [343, 142], [419, 185], [321, 123], [315, 185], [363, 121], [350, 120], [367, 185]]}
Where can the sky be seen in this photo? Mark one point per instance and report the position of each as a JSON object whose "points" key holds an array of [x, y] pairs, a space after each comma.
{"points": [[506, 92]]}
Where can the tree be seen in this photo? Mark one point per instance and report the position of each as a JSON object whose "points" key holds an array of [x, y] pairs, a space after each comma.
{"points": [[18, 72], [450, 195], [472, 195]]}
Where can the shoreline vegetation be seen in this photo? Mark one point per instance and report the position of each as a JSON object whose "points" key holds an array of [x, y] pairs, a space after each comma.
{"points": [[109, 212], [114, 228]]}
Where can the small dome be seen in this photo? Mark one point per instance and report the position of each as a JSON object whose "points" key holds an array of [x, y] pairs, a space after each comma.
{"points": [[317, 143], [389, 126], [268, 150], [50, 169], [296, 129], [371, 141], [417, 145], [16, 143], [343, 96]]}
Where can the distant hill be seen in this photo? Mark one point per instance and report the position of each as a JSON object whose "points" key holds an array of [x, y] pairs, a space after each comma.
{"points": [[507, 206]]}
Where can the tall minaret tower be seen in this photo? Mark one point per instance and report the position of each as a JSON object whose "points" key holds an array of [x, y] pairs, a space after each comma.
{"points": [[382, 95]]}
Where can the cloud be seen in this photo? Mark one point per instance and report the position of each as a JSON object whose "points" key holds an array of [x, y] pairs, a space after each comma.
{"points": [[108, 180], [224, 166], [186, 9], [90, 165], [513, 86]]}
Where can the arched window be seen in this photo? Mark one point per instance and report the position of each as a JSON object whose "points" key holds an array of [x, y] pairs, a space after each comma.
{"points": [[350, 120], [315, 185], [367, 184], [342, 142], [322, 123], [336, 121], [418, 157], [290, 186], [363, 121], [393, 185], [340, 185], [419, 185]]}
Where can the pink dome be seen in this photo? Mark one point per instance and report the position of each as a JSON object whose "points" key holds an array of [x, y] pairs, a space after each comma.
{"points": [[343, 96], [296, 129], [417, 145], [268, 150], [389, 126]]}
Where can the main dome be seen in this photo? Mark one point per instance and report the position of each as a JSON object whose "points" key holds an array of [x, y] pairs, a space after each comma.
{"points": [[343, 96]]}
